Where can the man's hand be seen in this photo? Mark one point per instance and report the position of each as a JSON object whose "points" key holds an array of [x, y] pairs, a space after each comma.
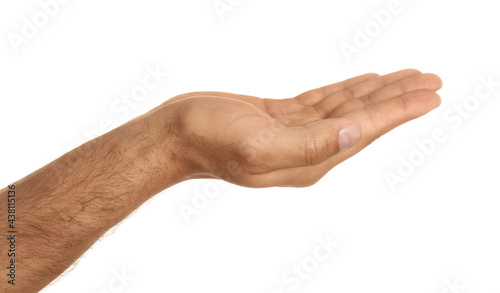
{"points": [[65, 206], [294, 142]]}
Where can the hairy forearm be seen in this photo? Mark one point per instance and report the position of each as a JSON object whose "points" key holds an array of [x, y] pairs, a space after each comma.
{"points": [[64, 207]]}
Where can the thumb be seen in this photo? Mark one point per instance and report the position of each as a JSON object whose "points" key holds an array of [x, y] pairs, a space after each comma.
{"points": [[314, 143]]}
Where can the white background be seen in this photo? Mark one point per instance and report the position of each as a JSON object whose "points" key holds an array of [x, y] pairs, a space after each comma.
{"points": [[438, 231]]}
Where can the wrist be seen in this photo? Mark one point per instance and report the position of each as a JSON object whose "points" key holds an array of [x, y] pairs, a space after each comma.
{"points": [[153, 143]]}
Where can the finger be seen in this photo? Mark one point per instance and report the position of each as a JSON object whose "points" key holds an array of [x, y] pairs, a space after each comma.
{"points": [[427, 81], [326, 106], [307, 145], [383, 117], [378, 119], [312, 97]]}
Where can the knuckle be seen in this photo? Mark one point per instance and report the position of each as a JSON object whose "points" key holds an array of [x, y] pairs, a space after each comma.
{"points": [[316, 149]]}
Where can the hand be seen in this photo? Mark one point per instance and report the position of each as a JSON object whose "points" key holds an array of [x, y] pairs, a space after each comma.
{"points": [[294, 142], [71, 202]]}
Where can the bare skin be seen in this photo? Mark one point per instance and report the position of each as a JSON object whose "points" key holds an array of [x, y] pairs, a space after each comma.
{"points": [[65, 206]]}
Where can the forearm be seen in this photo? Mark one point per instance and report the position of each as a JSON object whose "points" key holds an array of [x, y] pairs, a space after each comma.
{"points": [[64, 207]]}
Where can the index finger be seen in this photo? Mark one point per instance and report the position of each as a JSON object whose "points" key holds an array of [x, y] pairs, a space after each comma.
{"points": [[314, 96]]}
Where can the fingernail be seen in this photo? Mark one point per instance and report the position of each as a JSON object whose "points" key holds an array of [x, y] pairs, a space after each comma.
{"points": [[348, 135]]}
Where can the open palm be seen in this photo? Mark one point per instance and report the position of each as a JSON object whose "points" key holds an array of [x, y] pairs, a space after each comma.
{"points": [[294, 142]]}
